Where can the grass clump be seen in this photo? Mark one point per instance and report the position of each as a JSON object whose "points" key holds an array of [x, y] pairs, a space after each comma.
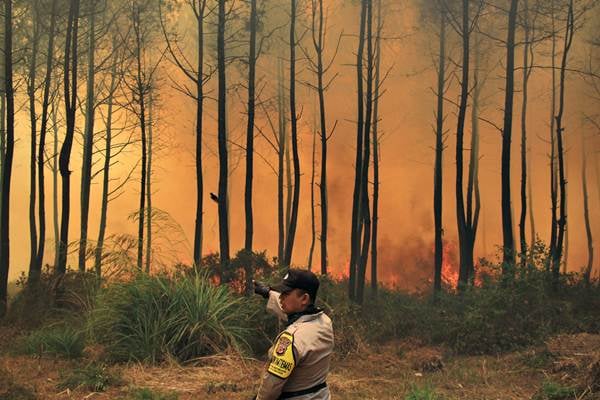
{"points": [[554, 391], [152, 318], [92, 377], [422, 393], [149, 394], [59, 340]]}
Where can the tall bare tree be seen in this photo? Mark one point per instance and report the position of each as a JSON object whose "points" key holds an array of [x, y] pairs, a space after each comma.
{"points": [[507, 226], [88, 135], [586, 211], [562, 220], [222, 139], [41, 162], [291, 233], [70, 99], [8, 157]]}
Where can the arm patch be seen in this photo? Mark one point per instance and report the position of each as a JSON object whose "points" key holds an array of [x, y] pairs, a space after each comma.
{"points": [[282, 360]]}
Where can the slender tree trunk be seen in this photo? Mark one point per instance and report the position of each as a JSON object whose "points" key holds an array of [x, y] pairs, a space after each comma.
{"points": [[291, 234], [55, 171], [462, 111], [366, 217], [249, 268], [70, 98], [250, 128], [507, 226], [376, 183], [222, 138], [532, 232], [562, 221], [42, 145], [281, 219], [88, 139], [149, 210], [553, 170], [356, 227], [8, 158], [140, 93], [319, 44], [439, 149], [526, 74], [199, 128], [586, 212], [31, 93], [473, 195], [106, 171], [313, 232]]}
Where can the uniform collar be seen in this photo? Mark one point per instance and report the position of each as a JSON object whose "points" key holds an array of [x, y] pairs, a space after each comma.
{"points": [[310, 310]]}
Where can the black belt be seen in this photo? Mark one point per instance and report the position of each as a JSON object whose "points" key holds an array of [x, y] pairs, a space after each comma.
{"points": [[314, 389]]}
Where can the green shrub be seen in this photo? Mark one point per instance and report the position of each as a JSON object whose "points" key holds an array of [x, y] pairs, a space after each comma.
{"points": [[149, 394], [422, 393], [56, 340], [152, 318], [92, 377], [554, 391]]}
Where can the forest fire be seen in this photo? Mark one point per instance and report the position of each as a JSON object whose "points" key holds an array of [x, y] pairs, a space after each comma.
{"points": [[449, 268]]}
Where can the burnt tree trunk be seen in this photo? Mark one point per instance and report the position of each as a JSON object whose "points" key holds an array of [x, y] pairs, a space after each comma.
{"points": [[8, 158], [507, 226], [586, 212], [222, 139], [562, 220], [439, 149], [356, 227], [281, 218], [42, 145], [291, 233], [70, 98], [31, 94], [250, 127], [198, 226]]}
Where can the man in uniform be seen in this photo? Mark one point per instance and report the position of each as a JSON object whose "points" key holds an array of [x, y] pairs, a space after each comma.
{"points": [[299, 360]]}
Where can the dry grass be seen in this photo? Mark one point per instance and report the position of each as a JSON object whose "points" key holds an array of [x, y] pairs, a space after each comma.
{"points": [[382, 372]]}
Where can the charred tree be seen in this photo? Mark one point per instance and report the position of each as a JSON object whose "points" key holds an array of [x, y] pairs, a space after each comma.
{"points": [[527, 46], [356, 227], [8, 157], [376, 158], [439, 149], [586, 212], [70, 98], [41, 162], [252, 57], [507, 226], [222, 140], [33, 118], [365, 206], [291, 233], [88, 137], [562, 220], [282, 142]]}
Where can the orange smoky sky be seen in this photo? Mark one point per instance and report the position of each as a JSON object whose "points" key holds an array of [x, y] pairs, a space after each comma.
{"points": [[407, 114]]}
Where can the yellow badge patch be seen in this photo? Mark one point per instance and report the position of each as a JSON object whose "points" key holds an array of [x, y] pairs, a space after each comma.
{"points": [[282, 359]]}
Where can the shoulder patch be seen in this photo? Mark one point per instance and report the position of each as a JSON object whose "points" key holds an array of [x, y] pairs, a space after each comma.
{"points": [[282, 360]]}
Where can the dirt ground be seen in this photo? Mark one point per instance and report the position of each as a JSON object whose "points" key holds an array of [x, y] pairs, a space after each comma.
{"points": [[383, 372]]}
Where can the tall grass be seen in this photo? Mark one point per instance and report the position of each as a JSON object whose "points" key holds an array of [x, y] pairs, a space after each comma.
{"points": [[152, 318], [63, 341]]}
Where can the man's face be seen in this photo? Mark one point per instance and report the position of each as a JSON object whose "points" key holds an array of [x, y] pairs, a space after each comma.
{"points": [[294, 301]]}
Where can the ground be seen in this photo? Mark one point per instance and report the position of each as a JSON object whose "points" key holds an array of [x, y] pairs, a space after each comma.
{"points": [[388, 371]]}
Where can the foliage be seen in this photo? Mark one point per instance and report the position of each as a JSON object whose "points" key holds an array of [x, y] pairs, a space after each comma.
{"points": [[152, 318], [53, 297], [56, 340], [422, 393], [554, 391], [149, 394], [92, 377]]}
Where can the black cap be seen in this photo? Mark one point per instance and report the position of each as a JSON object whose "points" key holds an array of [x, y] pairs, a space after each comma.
{"points": [[299, 279]]}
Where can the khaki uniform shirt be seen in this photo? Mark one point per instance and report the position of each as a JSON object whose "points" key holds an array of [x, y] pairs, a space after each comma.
{"points": [[300, 357]]}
